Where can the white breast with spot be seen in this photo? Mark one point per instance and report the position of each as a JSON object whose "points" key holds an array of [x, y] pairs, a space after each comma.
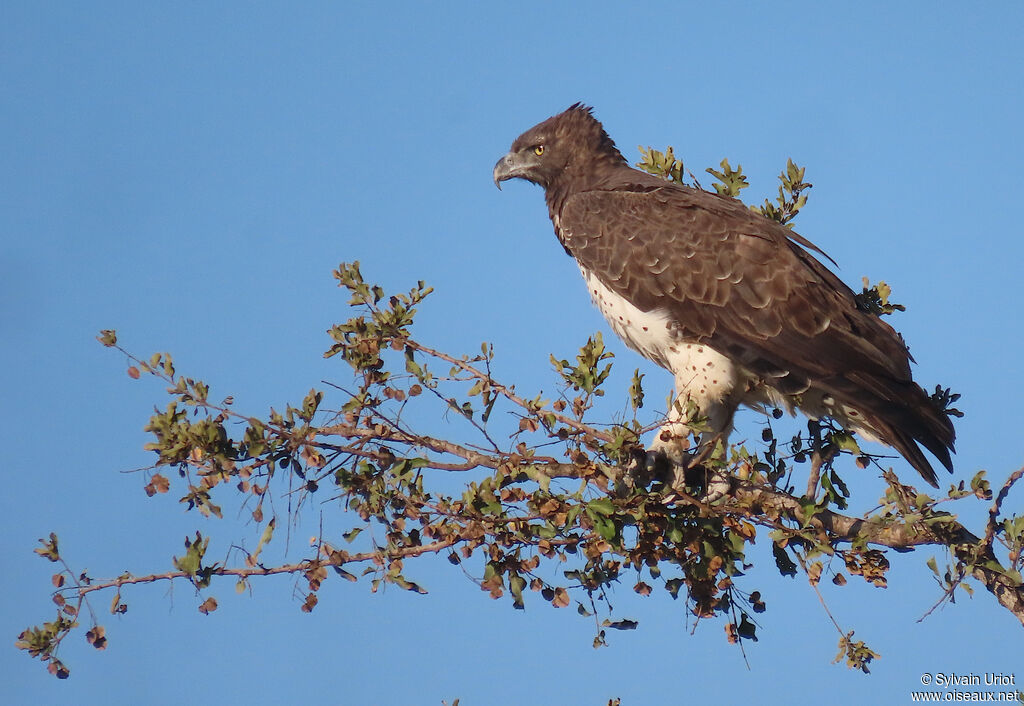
{"points": [[704, 376], [701, 372]]}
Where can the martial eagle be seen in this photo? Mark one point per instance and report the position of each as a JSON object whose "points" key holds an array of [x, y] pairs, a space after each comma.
{"points": [[732, 303]]}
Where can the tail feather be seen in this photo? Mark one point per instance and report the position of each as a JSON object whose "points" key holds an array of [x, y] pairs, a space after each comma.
{"points": [[912, 452], [902, 416]]}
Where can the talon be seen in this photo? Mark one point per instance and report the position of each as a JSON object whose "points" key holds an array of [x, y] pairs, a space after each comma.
{"points": [[656, 462], [718, 487]]}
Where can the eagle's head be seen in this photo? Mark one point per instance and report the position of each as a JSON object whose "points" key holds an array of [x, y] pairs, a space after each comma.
{"points": [[570, 143]]}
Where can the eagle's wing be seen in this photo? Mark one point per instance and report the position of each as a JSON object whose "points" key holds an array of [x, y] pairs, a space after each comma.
{"points": [[738, 281]]}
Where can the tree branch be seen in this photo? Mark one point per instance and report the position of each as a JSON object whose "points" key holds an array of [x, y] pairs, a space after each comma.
{"points": [[984, 565], [473, 458], [334, 558]]}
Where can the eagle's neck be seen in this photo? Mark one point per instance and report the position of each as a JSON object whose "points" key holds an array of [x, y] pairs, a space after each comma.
{"points": [[580, 176]]}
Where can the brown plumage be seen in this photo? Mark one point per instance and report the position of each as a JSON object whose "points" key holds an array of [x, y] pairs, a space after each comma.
{"points": [[731, 302]]}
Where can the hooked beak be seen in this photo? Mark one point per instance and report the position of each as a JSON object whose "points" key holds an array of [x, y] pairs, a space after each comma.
{"points": [[506, 168]]}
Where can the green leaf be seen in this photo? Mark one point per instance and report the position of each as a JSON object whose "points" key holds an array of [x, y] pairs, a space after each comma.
{"points": [[268, 534], [539, 477], [636, 390], [602, 506], [516, 584], [191, 563], [605, 528], [730, 181], [49, 548], [846, 442], [663, 164]]}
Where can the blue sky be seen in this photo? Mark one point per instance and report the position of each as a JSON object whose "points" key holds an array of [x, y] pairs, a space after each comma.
{"points": [[190, 176]]}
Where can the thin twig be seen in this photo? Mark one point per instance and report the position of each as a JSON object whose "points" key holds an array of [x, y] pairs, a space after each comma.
{"points": [[993, 513], [338, 559]]}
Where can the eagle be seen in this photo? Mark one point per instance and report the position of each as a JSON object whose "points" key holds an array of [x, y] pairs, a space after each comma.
{"points": [[735, 305]]}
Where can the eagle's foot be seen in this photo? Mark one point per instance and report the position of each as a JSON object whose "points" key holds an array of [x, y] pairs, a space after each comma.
{"points": [[716, 485], [654, 464], [684, 474], [643, 468], [707, 484]]}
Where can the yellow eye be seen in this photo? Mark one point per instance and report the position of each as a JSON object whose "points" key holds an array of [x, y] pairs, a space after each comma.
{"points": [[538, 150]]}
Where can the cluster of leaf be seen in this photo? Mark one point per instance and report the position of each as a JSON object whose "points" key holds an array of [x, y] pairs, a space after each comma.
{"points": [[730, 182], [791, 197], [874, 299], [549, 503], [663, 164]]}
